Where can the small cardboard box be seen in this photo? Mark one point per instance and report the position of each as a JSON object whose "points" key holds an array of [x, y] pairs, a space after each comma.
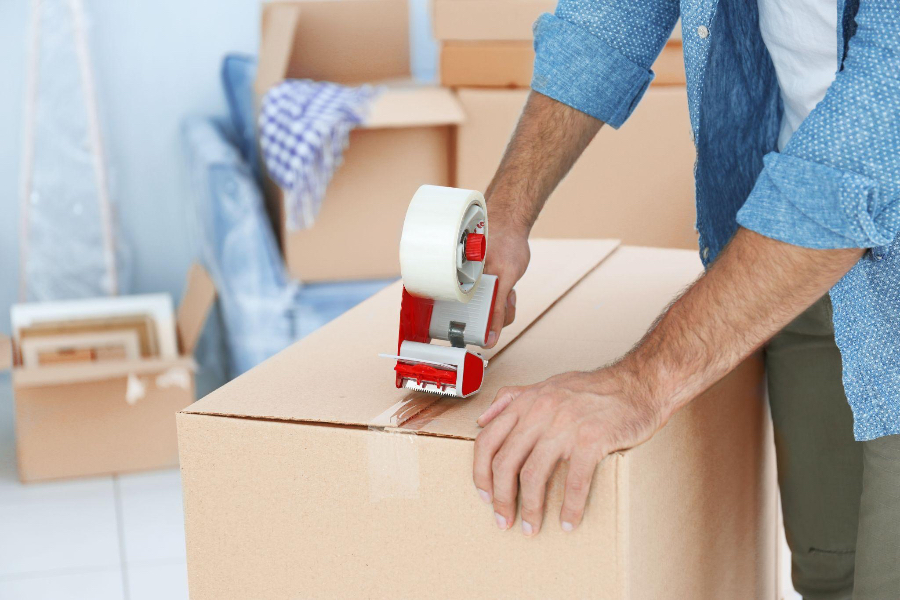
{"points": [[500, 64], [635, 183], [406, 141], [107, 417], [311, 476]]}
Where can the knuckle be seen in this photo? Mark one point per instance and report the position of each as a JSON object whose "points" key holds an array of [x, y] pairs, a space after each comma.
{"points": [[544, 403], [530, 477], [577, 486], [498, 464], [589, 434]]}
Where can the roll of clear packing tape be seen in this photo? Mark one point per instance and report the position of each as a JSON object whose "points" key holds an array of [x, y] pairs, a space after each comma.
{"points": [[432, 253]]}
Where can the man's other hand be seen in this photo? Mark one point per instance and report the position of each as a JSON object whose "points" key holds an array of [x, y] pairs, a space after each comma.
{"points": [[577, 417]]}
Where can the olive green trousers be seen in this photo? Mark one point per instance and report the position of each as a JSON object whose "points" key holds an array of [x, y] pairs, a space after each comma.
{"points": [[840, 498]]}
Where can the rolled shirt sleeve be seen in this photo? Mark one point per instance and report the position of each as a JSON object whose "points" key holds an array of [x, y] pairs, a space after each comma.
{"points": [[837, 182], [595, 55]]}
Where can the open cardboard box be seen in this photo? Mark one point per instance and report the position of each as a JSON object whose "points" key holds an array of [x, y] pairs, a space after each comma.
{"points": [[311, 476], [107, 417], [635, 183], [406, 141]]}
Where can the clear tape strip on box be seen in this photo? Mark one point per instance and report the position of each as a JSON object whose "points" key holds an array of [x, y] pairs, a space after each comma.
{"points": [[393, 458]]}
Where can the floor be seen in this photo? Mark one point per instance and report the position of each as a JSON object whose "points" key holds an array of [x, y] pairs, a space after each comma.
{"points": [[104, 538]]}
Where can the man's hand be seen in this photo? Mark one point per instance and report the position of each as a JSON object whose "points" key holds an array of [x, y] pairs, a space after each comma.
{"points": [[507, 257], [577, 417]]}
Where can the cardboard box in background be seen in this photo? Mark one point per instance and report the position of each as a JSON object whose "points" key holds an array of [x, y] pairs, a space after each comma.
{"points": [[487, 19], [489, 43], [405, 143], [107, 417], [312, 476], [501, 64], [635, 183], [493, 19]]}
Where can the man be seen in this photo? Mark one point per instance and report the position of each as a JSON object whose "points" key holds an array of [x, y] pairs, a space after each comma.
{"points": [[792, 203]]}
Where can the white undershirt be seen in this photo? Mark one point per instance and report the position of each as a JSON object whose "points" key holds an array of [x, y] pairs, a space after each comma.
{"points": [[801, 36]]}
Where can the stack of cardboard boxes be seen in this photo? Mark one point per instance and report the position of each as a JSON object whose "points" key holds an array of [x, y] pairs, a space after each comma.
{"points": [[635, 184]]}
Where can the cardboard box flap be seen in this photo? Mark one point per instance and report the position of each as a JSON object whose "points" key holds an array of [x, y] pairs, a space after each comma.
{"points": [[197, 300], [335, 374], [349, 42], [407, 104], [279, 21], [98, 371], [6, 352]]}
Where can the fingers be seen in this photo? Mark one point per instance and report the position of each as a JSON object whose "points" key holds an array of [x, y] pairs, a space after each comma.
{"points": [[510, 308], [533, 479], [578, 485], [499, 318], [501, 401], [506, 465], [486, 445]]}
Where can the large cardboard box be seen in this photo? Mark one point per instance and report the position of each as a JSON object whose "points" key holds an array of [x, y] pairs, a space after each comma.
{"points": [[107, 417], [406, 141], [635, 183], [311, 476]]}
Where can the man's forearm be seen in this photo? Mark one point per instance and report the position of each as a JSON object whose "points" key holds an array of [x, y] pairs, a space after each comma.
{"points": [[755, 288], [548, 140]]}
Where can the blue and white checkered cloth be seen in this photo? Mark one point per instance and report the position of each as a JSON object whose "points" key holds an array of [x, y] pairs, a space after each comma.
{"points": [[304, 127]]}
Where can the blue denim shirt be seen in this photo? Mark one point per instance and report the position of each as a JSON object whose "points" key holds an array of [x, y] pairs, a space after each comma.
{"points": [[836, 184]]}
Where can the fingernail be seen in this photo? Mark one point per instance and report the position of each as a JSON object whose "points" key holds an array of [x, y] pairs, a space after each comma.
{"points": [[511, 299], [527, 529], [501, 520], [485, 497], [566, 526], [492, 337]]}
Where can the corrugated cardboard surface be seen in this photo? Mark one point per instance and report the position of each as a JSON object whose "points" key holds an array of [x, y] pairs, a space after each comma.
{"points": [[277, 508], [635, 183]]}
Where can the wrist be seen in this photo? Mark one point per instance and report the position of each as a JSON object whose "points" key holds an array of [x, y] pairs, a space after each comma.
{"points": [[509, 213], [648, 381]]}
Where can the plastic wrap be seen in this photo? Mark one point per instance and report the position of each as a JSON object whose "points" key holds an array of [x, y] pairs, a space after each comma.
{"points": [[68, 245]]}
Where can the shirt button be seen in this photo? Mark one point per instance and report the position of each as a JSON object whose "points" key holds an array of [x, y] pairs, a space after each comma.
{"points": [[703, 32], [705, 253]]}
